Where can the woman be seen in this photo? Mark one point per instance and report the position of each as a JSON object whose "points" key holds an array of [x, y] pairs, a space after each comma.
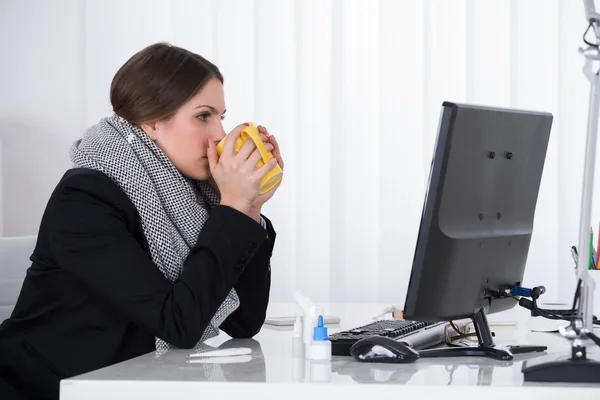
{"points": [[151, 241]]}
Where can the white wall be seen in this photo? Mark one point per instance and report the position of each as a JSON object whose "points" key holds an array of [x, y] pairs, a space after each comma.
{"points": [[2, 169], [358, 83], [42, 103]]}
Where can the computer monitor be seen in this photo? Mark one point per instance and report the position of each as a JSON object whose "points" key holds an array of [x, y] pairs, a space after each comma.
{"points": [[477, 218]]}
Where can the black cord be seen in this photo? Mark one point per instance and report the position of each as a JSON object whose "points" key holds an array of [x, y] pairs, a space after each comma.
{"points": [[546, 313], [585, 40], [566, 315], [536, 292], [595, 338], [576, 297]]}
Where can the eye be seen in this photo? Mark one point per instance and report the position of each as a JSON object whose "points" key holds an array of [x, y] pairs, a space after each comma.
{"points": [[203, 117]]}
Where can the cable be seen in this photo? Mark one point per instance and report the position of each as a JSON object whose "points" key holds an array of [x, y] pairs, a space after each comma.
{"points": [[576, 297], [460, 334], [520, 293], [566, 315], [453, 325], [595, 338], [585, 33]]}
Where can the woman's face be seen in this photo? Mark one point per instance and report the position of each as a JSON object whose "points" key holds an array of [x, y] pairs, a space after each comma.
{"points": [[184, 137]]}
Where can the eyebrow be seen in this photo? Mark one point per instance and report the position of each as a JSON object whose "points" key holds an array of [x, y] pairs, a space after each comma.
{"points": [[211, 108]]}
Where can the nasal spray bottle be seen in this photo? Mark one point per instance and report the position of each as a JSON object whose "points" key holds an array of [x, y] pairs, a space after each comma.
{"points": [[317, 347], [320, 348]]}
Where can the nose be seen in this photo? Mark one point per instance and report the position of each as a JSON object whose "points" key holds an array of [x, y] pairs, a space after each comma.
{"points": [[218, 133]]}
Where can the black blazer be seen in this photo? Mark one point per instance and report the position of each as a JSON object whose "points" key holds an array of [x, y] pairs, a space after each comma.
{"points": [[93, 297]]}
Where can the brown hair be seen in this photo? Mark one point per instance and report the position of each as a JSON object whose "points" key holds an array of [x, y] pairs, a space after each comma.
{"points": [[157, 80]]}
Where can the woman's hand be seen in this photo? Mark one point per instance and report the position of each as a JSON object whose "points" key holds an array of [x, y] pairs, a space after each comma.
{"points": [[236, 175], [271, 145]]}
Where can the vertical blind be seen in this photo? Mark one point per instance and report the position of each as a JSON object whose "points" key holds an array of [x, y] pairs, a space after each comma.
{"points": [[352, 90]]}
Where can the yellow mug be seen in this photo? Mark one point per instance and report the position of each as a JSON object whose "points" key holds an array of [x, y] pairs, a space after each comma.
{"points": [[250, 132]]}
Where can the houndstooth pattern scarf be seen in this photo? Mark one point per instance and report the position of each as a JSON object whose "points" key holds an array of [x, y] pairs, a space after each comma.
{"points": [[173, 209]]}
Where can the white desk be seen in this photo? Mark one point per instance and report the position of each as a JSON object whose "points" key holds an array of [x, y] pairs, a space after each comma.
{"points": [[271, 372]]}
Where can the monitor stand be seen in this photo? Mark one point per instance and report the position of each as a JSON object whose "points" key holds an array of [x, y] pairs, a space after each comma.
{"points": [[557, 368], [485, 347]]}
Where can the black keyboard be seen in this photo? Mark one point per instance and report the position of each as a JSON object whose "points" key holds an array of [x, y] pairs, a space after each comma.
{"points": [[341, 342]]}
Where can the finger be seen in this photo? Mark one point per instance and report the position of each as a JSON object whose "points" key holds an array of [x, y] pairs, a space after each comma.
{"points": [[269, 147], [251, 162], [213, 159], [263, 130], [255, 157], [263, 137], [229, 145], [274, 142], [279, 159], [276, 152], [262, 171], [246, 149]]}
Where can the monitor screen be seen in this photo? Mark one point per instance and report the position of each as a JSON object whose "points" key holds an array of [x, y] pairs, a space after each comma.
{"points": [[478, 211]]}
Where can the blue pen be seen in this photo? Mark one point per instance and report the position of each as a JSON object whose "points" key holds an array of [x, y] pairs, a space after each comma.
{"points": [[574, 255]]}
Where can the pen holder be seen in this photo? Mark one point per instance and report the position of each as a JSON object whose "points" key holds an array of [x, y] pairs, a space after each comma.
{"points": [[595, 275]]}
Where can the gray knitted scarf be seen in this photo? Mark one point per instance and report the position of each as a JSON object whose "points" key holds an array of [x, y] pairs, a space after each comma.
{"points": [[173, 209]]}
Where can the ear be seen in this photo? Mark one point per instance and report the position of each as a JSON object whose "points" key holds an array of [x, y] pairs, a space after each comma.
{"points": [[150, 129]]}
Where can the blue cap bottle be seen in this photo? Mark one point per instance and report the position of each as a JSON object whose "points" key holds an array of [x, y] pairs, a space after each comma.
{"points": [[320, 331], [321, 346]]}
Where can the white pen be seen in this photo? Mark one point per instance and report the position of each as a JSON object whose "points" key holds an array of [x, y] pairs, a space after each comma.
{"points": [[235, 351], [220, 360]]}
